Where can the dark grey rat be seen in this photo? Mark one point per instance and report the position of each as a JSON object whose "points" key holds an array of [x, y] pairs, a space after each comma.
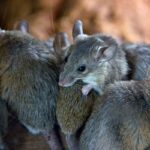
{"points": [[92, 65], [120, 119], [97, 60], [100, 59], [29, 83], [138, 57]]}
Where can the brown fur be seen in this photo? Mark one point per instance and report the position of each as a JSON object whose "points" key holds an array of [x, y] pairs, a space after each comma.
{"points": [[29, 82], [73, 108]]}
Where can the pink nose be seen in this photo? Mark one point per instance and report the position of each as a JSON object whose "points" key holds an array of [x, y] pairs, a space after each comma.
{"points": [[61, 80]]}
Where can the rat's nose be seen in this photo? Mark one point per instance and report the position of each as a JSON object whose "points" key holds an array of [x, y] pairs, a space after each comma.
{"points": [[63, 83], [61, 80], [60, 83], [64, 80]]}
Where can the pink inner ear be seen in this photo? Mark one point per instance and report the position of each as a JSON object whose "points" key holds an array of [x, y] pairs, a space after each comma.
{"points": [[103, 49], [106, 53]]}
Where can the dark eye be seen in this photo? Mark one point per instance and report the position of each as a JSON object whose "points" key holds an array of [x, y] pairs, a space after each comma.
{"points": [[81, 68], [66, 59]]}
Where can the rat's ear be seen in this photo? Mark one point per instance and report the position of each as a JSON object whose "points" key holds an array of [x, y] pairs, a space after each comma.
{"points": [[22, 26], [105, 53], [60, 44], [77, 28], [77, 31]]}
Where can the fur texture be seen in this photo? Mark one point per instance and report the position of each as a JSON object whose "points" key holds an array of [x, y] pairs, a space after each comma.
{"points": [[138, 57], [100, 70], [73, 108], [122, 121], [28, 83]]}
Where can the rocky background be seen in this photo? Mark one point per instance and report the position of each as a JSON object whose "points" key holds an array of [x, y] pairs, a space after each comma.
{"points": [[128, 19]]}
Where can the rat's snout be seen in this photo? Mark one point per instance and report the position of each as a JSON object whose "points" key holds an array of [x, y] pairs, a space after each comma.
{"points": [[65, 81], [61, 82]]}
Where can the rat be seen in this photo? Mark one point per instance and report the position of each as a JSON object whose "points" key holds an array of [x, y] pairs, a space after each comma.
{"points": [[100, 59], [113, 70], [120, 119], [29, 83], [97, 60], [138, 58]]}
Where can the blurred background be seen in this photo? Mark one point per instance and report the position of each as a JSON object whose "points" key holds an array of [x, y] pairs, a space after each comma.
{"points": [[128, 19]]}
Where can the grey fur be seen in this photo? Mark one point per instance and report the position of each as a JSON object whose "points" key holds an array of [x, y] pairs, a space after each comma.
{"points": [[138, 57], [122, 121], [99, 72], [116, 62], [34, 77], [29, 81]]}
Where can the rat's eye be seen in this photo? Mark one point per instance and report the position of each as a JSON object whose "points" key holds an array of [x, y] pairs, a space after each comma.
{"points": [[81, 68], [66, 59]]}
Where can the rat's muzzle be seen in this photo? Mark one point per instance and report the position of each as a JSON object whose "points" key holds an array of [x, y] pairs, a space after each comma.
{"points": [[66, 81]]}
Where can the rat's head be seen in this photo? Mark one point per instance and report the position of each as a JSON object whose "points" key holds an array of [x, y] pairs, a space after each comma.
{"points": [[89, 57]]}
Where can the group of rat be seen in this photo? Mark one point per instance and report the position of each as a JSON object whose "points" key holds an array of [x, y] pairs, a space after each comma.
{"points": [[95, 90]]}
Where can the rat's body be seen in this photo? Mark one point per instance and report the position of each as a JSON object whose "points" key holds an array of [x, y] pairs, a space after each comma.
{"points": [[138, 57], [29, 83], [122, 121], [73, 110], [3, 123]]}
